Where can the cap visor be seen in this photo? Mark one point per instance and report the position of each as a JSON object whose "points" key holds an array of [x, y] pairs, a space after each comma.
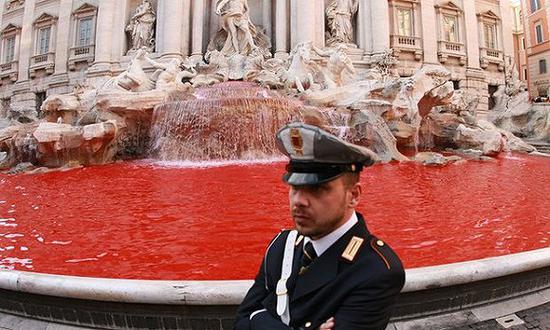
{"points": [[309, 179]]}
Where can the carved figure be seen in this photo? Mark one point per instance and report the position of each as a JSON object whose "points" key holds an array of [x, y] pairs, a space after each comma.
{"points": [[236, 23], [134, 79], [339, 18], [338, 63], [169, 76], [141, 27], [302, 68], [216, 71]]}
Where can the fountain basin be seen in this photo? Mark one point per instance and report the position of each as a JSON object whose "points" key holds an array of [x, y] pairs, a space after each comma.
{"points": [[453, 293]]}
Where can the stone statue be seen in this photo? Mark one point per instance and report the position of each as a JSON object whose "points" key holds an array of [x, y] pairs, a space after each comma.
{"points": [[340, 21], [134, 79], [338, 64], [169, 76], [141, 27], [236, 22], [302, 68]]}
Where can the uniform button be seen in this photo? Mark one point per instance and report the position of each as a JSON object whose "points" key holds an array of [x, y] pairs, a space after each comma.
{"points": [[308, 324], [379, 243]]}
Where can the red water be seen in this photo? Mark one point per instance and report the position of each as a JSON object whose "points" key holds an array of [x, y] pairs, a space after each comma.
{"points": [[142, 220]]}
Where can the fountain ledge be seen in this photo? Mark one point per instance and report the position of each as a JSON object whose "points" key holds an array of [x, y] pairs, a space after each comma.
{"points": [[448, 293], [232, 292]]}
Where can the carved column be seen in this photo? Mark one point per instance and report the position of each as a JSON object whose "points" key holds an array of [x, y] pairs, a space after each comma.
{"points": [[429, 31], [281, 27], [380, 25], [26, 44], [303, 21], [266, 18], [63, 44], [364, 29], [104, 35], [198, 29], [472, 34], [186, 28], [170, 31], [506, 29]]}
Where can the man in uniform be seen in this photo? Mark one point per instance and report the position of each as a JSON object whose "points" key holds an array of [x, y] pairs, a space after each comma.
{"points": [[330, 272]]}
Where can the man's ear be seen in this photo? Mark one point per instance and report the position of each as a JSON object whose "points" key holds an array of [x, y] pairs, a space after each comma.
{"points": [[356, 192]]}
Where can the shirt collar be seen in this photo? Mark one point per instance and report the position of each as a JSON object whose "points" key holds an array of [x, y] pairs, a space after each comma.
{"points": [[323, 243]]}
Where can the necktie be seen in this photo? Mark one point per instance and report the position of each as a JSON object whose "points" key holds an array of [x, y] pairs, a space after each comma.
{"points": [[308, 256]]}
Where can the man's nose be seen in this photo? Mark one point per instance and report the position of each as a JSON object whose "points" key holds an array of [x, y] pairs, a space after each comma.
{"points": [[298, 197]]}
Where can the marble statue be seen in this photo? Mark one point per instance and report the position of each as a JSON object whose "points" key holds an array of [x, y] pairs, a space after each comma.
{"points": [[134, 78], [340, 21], [169, 76], [141, 27], [238, 26], [302, 68], [338, 64], [216, 71]]}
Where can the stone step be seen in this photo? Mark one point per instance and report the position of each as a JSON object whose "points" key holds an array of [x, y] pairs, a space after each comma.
{"points": [[543, 147]]}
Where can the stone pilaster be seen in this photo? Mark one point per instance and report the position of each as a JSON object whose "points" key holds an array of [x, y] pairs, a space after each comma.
{"points": [[104, 36], [266, 18], [303, 21], [472, 34], [198, 9], [26, 48], [281, 27], [63, 42], [364, 29], [429, 31], [380, 26], [169, 29], [186, 27], [507, 27]]}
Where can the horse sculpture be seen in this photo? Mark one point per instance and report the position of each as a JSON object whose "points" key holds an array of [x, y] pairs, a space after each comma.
{"points": [[302, 69]]}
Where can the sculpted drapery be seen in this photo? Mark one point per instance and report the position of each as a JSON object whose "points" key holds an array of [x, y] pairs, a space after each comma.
{"points": [[340, 21]]}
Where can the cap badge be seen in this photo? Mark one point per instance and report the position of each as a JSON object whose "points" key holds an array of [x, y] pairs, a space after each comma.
{"points": [[297, 141]]}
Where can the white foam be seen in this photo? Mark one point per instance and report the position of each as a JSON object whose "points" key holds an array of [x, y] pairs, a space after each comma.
{"points": [[215, 163], [81, 260], [61, 242]]}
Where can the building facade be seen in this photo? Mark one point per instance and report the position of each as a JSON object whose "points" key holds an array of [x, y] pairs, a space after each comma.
{"points": [[536, 15], [520, 56], [49, 46]]}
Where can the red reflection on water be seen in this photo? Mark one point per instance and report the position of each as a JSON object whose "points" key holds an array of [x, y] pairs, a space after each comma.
{"points": [[140, 220]]}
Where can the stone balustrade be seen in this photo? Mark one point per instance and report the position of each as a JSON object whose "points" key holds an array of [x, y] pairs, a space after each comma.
{"points": [[42, 62], [490, 55], [407, 44], [448, 49], [81, 54]]}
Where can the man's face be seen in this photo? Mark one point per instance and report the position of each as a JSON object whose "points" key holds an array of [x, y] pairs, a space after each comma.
{"points": [[317, 210]]}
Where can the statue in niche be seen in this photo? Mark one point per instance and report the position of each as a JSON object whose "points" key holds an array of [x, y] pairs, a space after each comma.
{"points": [[237, 35], [340, 21], [141, 27]]}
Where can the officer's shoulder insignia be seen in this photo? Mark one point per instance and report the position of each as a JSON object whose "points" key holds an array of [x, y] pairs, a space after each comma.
{"points": [[376, 245], [299, 240], [353, 247]]}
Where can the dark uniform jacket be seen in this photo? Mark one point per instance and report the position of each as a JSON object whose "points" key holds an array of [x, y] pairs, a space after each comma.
{"points": [[358, 293]]}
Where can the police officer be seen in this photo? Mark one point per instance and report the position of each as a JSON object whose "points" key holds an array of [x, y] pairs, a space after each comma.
{"points": [[330, 272]]}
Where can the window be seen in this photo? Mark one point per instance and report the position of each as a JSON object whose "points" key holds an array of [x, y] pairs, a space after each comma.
{"points": [[535, 5], [538, 33], [85, 26], [43, 46], [490, 36], [450, 28], [9, 52], [40, 98], [522, 43], [524, 73], [404, 21], [542, 66]]}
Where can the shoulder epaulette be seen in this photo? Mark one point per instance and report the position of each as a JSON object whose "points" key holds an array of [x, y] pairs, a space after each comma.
{"points": [[376, 245]]}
